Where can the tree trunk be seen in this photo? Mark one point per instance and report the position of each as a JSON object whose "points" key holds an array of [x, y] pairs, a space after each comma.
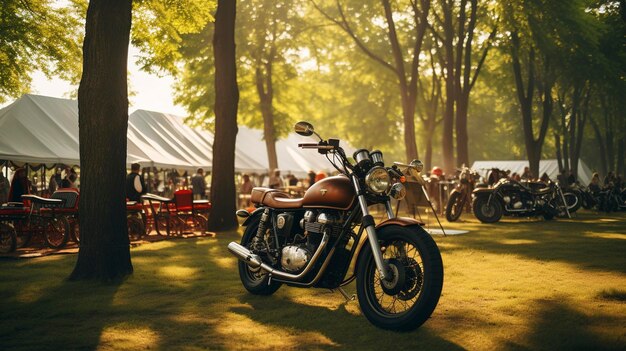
{"points": [[559, 156], [104, 252], [621, 145], [408, 112], [600, 140], [266, 97], [226, 100], [462, 152], [448, 114]]}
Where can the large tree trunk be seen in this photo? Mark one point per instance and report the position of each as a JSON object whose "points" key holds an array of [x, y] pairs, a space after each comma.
{"points": [[621, 145], [265, 91], [600, 140], [104, 252], [408, 112], [226, 100]]}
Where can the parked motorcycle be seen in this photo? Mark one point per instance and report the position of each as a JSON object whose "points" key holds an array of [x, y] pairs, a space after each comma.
{"points": [[314, 241], [461, 195], [512, 198]]}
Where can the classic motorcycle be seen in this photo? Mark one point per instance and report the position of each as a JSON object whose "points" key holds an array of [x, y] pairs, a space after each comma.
{"points": [[512, 198], [461, 195], [313, 241]]}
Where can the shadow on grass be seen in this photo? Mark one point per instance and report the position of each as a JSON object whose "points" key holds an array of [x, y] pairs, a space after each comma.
{"points": [[559, 327], [70, 315], [346, 330], [589, 242]]}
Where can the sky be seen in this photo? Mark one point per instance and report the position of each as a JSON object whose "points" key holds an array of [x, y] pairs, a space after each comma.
{"points": [[152, 92]]}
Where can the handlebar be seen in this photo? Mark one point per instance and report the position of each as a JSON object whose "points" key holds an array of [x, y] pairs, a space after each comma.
{"points": [[315, 146]]}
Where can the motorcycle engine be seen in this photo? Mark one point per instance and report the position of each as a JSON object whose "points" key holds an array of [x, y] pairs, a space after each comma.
{"points": [[296, 256]]}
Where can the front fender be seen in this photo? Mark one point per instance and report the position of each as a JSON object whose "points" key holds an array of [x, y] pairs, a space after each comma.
{"points": [[401, 221]]}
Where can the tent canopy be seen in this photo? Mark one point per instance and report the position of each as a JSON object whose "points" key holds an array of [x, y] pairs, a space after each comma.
{"points": [[44, 130], [550, 167]]}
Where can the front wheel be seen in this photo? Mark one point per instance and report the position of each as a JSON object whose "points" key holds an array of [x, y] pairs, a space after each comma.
{"points": [[407, 300], [255, 280], [57, 232], [486, 211], [455, 205]]}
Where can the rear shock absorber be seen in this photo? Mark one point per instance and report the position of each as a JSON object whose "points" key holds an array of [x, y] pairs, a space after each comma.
{"points": [[258, 243]]}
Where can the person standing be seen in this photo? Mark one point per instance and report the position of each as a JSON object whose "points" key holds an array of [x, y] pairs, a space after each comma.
{"points": [[198, 185], [4, 188], [20, 185], [135, 185], [276, 181]]}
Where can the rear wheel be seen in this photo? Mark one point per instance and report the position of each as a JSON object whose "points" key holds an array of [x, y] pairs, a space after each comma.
{"points": [[57, 232], [407, 300], [8, 238], [486, 211], [200, 223], [135, 228], [255, 280], [455, 205]]}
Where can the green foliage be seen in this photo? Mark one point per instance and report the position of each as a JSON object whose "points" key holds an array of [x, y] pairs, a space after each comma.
{"points": [[39, 35]]}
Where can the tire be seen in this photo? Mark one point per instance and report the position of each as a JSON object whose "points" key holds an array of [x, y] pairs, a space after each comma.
{"points": [[57, 232], [455, 205], [200, 223], [8, 238], [487, 212], [136, 228], [573, 201], [416, 262], [255, 282], [22, 233], [75, 229]]}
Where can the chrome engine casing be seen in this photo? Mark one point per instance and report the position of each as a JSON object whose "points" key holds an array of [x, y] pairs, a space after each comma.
{"points": [[295, 257]]}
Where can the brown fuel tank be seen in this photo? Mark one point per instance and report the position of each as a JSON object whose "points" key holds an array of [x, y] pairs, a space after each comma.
{"points": [[332, 192]]}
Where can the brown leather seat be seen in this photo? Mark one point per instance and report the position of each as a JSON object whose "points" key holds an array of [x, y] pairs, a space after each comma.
{"points": [[274, 198]]}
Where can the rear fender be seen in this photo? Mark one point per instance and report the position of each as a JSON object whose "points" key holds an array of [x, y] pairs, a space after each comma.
{"points": [[253, 216]]}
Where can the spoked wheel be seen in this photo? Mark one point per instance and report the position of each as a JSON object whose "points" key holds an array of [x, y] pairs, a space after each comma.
{"points": [[8, 238], [135, 228], [405, 301], [455, 205], [255, 280], [57, 232], [200, 223], [485, 211], [22, 233], [75, 229]]}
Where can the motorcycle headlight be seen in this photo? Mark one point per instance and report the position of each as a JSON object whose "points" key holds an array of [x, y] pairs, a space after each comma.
{"points": [[378, 180]]}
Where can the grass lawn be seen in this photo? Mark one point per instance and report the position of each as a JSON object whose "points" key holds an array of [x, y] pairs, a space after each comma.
{"points": [[515, 285]]}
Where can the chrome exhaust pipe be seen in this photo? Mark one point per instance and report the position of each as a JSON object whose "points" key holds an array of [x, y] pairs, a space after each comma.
{"points": [[254, 261], [245, 255]]}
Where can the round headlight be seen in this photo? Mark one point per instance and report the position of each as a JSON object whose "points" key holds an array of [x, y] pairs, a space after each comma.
{"points": [[378, 180]]}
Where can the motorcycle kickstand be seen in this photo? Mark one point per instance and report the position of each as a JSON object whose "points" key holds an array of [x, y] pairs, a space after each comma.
{"points": [[345, 295]]}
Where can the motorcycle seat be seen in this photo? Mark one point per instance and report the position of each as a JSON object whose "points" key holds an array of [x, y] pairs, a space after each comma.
{"points": [[274, 198]]}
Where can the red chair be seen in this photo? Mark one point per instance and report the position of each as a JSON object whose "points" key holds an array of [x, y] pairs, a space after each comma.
{"points": [[189, 213]]}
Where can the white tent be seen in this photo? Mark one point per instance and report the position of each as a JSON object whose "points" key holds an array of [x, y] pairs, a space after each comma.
{"points": [[169, 134], [40, 129], [550, 167]]}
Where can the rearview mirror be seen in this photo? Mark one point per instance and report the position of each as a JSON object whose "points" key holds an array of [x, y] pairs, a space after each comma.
{"points": [[304, 128]]}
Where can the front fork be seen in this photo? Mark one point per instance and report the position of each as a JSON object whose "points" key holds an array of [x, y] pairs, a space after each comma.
{"points": [[370, 228]]}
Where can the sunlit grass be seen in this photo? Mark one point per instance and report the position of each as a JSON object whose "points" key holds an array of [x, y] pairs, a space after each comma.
{"points": [[518, 284]]}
